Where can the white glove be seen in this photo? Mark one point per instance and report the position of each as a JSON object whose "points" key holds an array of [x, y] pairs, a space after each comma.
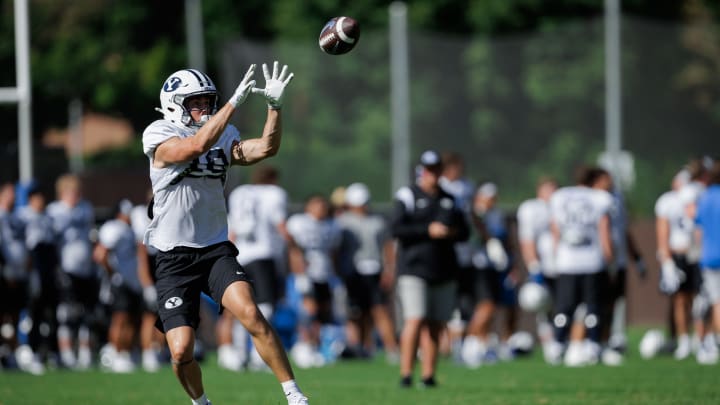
{"points": [[496, 253], [150, 296], [303, 284], [671, 277], [243, 88], [274, 85]]}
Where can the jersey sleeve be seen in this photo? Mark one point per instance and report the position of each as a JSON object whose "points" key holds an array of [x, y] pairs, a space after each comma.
{"points": [[155, 134], [277, 206], [661, 206], [525, 221]]}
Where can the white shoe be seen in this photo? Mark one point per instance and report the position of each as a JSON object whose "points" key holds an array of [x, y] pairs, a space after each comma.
{"points": [[122, 363], [229, 358], [27, 361], [611, 357], [150, 361], [592, 352], [553, 352], [67, 357], [304, 355], [683, 349], [575, 356], [473, 351], [84, 361], [297, 398], [707, 353]]}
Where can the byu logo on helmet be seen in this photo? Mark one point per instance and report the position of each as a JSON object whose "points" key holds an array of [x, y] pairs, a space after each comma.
{"points": [[173, 302], [172, 84]]}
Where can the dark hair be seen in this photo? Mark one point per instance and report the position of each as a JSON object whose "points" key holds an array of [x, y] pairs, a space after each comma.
{"points": [[715, 172], [265, 175]]}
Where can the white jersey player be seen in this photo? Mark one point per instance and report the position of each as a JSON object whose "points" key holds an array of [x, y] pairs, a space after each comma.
{"points": [[73, 219], [256, 218], [190, 151], [314, 239], [537, 248], [116, 252], [581, 229]]}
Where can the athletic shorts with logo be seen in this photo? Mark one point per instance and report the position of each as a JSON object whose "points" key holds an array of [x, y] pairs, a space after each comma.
{"points": [[184, 272]]}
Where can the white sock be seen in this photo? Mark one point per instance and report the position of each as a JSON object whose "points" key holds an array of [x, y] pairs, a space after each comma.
{"points": [[290, 387], [200, 401]]}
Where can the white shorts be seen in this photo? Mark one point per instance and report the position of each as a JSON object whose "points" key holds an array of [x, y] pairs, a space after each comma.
{"points": [[419, 300], [711, 284]]}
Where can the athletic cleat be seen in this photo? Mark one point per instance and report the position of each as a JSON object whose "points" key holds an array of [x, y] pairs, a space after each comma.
{"points": [[406, 382], [683, 349], [297, 398], [611, 357], [429, 382], [575, 356]]}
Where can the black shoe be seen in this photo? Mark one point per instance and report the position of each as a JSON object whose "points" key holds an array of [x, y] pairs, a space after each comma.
{"points": [[429, 382], [406, 382]]}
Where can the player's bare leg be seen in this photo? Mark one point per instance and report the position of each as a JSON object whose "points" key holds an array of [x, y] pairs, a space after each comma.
{"points": [[181, 342], [238, 300], [409, 340], [430, 343], [384, 324]]}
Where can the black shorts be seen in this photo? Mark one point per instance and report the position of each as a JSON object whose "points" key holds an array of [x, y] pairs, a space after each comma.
{"points": [[487, 286], [573, 289], [322, 294], [15, 296], [183, 273], [363, 292], [82, 291], [693, 277], [617, 285], [125, 299], [265, 280]]}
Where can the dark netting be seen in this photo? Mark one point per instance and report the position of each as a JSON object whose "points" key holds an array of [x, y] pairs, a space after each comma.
{"points": [[516, 107]]}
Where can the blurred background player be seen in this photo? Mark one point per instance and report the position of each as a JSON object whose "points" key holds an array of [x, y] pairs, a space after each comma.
{"points": [[151, 340], [14, 275], [256, 220], [40, 240], [680, 275], [367, 270], [454, 181], [314, 239], [427, 223], [73, 219], [537, 248], [581, 230], [492, 225], [116, 253], [707, 218], [624, 249]]}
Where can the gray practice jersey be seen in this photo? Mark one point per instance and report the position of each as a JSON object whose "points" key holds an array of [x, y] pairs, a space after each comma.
{"points": [[254, 213], [189, 207], [119, 239], [72, 226], [12, 242], [318, 240], [367, 235]]}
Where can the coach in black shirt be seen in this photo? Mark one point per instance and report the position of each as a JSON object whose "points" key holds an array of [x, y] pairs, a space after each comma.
{"points": [[427, 223]]}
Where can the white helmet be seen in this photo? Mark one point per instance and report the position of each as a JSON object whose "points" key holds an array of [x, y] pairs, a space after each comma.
{"points": [[178, 87], [534, 297]]}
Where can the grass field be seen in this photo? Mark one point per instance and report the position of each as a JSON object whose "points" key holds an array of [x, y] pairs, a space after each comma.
{"points": [[524, 381]]}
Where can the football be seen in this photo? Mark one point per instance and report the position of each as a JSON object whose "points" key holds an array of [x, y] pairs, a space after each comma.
{"points": [[339, 35]]}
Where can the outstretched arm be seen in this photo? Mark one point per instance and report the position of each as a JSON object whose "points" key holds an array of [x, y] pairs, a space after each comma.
{"points": [[178, 150], [254, 150]]}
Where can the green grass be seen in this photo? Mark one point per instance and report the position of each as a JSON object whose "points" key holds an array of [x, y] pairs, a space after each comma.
{"points": [[525, 381]]}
